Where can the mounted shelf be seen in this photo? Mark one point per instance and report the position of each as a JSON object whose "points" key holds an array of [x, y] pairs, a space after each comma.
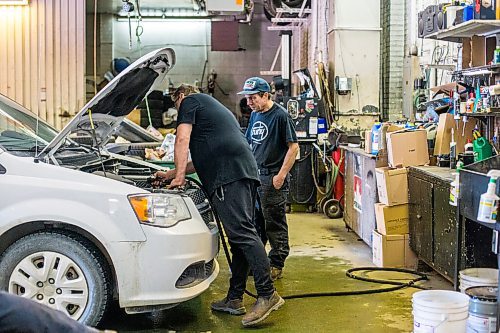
{"points": [[494, 113], [467, 30], [480, 70]]}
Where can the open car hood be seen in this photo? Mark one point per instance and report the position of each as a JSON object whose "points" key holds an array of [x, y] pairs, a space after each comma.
{"points": [[102, 115]]}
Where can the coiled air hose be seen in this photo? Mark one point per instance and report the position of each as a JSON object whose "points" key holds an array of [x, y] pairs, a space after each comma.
{"points": [[349, 273]]}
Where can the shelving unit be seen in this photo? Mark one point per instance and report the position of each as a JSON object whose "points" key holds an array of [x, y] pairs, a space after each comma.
{"points": [[480, 70], [467, 30]]}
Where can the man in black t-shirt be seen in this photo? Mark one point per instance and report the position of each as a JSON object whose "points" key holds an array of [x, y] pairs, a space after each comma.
{"points": [[226, 167], [271, 134]]}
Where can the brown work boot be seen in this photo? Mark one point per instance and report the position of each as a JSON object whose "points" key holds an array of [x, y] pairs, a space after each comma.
{"points": [[233, 306], [262, 309], [276, 273]]}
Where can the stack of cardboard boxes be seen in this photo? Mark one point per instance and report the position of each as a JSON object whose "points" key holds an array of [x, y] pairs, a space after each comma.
{"points": [[391, 239]]}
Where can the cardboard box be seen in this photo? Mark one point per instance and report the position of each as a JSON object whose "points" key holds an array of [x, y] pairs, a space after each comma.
{"points": [[392, 251], [407, 148], [392, 220], [443, 134], [392, 186]]}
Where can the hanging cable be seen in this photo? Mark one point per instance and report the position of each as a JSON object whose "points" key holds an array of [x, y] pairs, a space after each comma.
{"points": [[95, 47], [139, 30]]}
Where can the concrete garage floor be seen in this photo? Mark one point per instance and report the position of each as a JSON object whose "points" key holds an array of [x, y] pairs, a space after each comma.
{"points": [[322, 250]]}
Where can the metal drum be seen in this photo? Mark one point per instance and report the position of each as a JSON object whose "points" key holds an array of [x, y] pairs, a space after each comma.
{"points": [[482, 309]]}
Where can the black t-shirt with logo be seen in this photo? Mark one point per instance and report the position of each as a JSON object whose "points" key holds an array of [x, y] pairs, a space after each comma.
{"points": [[219, 150], [268, 134]]}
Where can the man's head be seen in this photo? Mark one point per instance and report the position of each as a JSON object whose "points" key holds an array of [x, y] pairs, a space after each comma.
{"points": [[257, 93], [181, 92]]}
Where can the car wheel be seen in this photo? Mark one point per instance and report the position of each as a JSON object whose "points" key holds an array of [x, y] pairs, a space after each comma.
{"points": [[60, 271]]}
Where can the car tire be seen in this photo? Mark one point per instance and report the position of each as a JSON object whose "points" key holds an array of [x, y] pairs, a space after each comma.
{"points": [[23, 270]]}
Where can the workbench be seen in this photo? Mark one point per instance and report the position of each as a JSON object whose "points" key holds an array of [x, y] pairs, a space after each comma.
{"points": [[437, 232]]}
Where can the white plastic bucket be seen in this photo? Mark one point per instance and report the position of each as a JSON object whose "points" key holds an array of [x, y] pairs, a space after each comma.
{"points": [[473, 277], [440, 311]]}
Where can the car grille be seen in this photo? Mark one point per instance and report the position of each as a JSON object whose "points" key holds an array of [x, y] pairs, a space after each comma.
{"points": [[195, 274], [202, 204]]}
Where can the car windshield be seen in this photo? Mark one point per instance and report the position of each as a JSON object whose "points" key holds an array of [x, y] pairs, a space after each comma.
{"points": [[19, 129]]}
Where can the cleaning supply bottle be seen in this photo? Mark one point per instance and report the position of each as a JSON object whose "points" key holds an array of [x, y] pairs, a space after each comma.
{"points": [[482, 149], [469, 147], [496, 56], [376, 137], [488, 206], [470, 104], [455, 185], [453, 150]]}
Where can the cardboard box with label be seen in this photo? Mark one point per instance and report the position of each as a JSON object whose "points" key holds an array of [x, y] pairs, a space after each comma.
{"points": [[392, 251], [392, 186], [392, 220], [407, 148], [443, 134]]}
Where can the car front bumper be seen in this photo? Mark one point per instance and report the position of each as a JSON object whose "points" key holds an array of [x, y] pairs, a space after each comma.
{"points": [[147, 272]]}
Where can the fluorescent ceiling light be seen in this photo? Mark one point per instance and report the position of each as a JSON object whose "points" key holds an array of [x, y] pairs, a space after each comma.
{"points": [[13, 2], [168, 12], [166, 19]]}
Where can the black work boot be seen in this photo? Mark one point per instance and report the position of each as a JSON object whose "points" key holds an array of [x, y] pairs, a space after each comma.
{"points": [[276, 273], [233, 306], [262, 309]]}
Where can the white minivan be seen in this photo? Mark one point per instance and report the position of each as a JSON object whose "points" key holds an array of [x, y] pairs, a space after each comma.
{"points": [[80, 226]]}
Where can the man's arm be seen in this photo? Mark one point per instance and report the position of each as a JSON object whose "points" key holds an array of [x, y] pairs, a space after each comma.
{"points": [[170, 174], [181, 151], [291, 154]]}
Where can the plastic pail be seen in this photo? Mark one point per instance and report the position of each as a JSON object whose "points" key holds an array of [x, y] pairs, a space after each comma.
{"points": [[440, 311], [482, 309], [472, 277]]}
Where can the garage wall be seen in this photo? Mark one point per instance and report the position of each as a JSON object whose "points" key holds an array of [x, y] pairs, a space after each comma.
{"points": [[354, 52], [424, 64], [42, 57], [191, 40]]}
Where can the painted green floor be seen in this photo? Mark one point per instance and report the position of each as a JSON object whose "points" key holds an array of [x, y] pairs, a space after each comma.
{"points": [[322, 250]]}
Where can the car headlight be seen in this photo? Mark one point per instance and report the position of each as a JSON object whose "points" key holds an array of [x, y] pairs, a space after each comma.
{"points": [[159, 210]]}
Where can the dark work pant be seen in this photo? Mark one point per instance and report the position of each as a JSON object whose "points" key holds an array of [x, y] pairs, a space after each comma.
{"points": [[235, 204], [270, 219], [19, 314]]}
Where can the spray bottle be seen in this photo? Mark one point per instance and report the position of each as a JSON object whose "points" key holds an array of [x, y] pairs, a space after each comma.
{"points": [[453, 149], [455, 185], [488, 206]]}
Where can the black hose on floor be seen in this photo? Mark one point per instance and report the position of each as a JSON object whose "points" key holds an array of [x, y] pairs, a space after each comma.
{"points": [[349, 273]]}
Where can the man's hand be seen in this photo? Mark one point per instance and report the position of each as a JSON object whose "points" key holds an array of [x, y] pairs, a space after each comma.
{"points": [[160, 177], [179, 181], [278, 181]]}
